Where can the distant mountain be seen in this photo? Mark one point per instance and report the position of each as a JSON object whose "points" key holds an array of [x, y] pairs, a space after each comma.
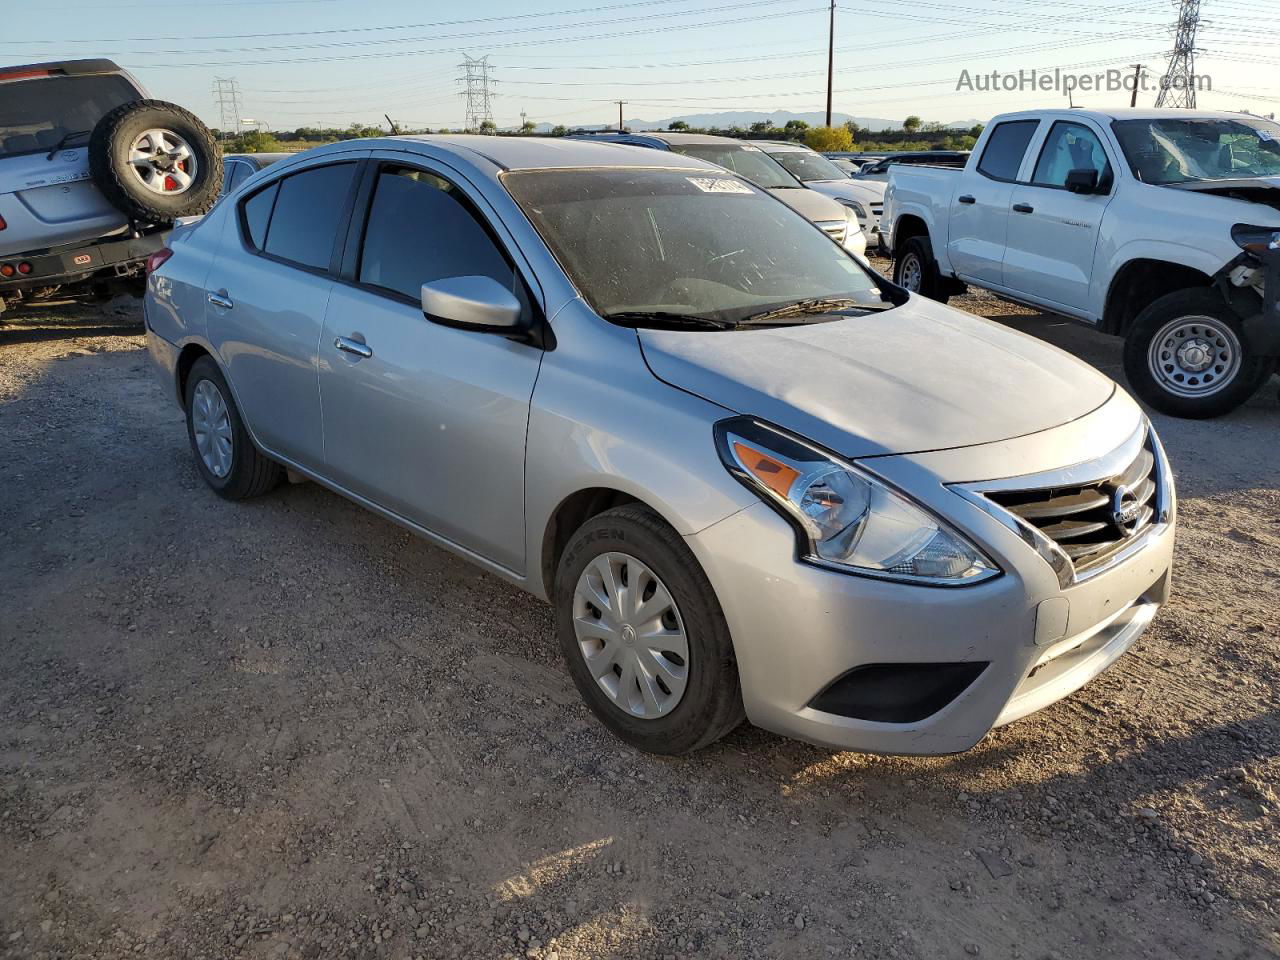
{"points": [[745, 118]]}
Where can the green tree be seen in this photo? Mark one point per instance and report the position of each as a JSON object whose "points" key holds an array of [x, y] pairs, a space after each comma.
{"points": [[528, 127], [762, 126], [488, 127], [559, 130], [824, 139], [255, 141], [976, 130], [911, 124], [852, 127], [677, 125], [795, 126]]}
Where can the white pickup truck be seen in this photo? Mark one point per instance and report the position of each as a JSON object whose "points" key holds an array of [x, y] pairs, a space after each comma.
{"points": [[1160, 226]]}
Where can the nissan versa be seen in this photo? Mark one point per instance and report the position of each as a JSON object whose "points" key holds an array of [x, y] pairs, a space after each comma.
{"points": [[753, 477]]}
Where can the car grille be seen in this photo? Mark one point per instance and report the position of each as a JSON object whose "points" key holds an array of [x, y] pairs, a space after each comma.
{"points": [[1090, 522], [835, 229]]}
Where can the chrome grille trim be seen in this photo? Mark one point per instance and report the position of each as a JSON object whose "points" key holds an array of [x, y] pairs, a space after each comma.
{"points": [[1066, 515]]}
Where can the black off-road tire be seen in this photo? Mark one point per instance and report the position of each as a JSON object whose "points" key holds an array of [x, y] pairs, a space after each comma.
{"points": [[1188, 305], [712, 702], [931, 282], [120, 184], [251, 474]]}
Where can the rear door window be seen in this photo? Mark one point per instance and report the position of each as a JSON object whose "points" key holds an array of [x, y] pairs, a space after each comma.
{"points": [[307, 214], [1005, 149], [257, 213]]}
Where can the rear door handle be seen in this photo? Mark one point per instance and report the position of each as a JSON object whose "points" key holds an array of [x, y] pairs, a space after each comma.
{"points": [[967, 199], [347, 345], [1023, 208], [220, 299]]}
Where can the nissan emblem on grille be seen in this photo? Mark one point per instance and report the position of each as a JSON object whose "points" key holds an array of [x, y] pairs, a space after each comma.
{"points": [[1125, 509]]}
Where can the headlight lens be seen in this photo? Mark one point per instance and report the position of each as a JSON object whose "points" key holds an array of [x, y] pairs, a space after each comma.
{"points": [[844, 517], [858, 209], [1257, 240]]}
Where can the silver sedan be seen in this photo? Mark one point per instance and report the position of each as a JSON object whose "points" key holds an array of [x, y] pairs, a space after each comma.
{"points": [[754, 478]]}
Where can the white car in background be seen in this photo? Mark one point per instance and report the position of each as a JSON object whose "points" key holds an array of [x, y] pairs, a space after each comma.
{"points": [[864, 197]]}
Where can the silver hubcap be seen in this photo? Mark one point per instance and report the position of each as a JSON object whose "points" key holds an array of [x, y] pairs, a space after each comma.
{"points": [[631, 635], [211, 425], [911, 274], [1194, 356], [163, 162]]}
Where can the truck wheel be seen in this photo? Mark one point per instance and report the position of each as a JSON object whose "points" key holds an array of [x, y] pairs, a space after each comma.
{"points": [[1186, 355], [917, 271], [155, 161]]}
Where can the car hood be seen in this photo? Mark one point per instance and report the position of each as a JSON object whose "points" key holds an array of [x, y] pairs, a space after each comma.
{"points": [[810, 204], [870, 192], [1264, 190], [920, 377]]}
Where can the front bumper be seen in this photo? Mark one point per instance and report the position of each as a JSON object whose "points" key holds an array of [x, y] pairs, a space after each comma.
{"points": [[797, 628], [103, 259]]}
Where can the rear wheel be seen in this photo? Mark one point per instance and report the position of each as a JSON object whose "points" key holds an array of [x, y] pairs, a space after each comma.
{"points": [[1187, 355], [643, 635], [225, 455], [916, 270]]}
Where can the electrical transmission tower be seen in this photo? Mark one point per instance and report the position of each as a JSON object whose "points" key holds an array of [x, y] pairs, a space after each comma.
{"points": [[476, 79], [1178, 88], [226, 95]]}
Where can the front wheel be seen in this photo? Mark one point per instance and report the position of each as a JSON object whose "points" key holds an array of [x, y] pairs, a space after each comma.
{"points": [[916, 270], [1187, 355], [643, 634]]}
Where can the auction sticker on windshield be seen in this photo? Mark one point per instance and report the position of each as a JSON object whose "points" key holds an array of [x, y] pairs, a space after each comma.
{"points": [[717, 185]]}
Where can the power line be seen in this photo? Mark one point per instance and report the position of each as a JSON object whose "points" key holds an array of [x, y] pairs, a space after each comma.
{"points": [[478, 96], [226, 95], [1178, 88]]}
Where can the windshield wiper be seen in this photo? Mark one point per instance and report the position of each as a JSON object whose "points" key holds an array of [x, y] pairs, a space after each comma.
{"points": [[806, 308], [664, 319], [65, 138]]}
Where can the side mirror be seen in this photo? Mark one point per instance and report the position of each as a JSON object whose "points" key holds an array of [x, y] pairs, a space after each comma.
{"points": [[1084, 180], [473, 303]]}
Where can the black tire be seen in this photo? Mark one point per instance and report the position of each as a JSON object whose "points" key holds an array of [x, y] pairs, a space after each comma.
{"points": [[120, 181], [1221, 328], [711, 705], [250, 474], [931, 283]]}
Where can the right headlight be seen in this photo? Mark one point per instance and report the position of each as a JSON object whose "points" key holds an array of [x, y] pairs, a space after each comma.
{"points": [[845, 518], [1256, 240], [858, 209]]}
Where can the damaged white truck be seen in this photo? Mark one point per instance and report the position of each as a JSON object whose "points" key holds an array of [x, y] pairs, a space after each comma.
{"points": [[92, 175], [1160, 226]]}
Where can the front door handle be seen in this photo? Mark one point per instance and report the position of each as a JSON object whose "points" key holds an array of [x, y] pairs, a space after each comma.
{"points": [[1023, 208], [967, 199], [347, 345], [220, 299]]}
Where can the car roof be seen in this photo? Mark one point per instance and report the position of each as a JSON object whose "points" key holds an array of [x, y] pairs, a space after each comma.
{"points": [[662, 136], [257, 159], [789, 146], [531, 153], [65, 68], [1123, 113]]}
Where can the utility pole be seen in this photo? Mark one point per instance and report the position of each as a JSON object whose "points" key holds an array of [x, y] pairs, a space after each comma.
{"points": [[1137, 79], [620, 103], [479, 98], [1177, 88], [831, 58], [226, 96]]}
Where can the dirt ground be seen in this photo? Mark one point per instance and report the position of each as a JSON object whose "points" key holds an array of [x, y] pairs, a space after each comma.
{"points": [[288, 729]]}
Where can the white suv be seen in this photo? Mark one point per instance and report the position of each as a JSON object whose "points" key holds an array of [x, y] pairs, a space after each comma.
{"points": [[91, 175]]}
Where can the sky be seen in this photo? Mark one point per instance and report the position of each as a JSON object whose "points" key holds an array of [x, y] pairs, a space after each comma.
{"points": [[334, 62]]}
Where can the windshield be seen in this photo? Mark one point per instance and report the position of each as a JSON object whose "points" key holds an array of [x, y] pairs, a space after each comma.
{"points": [[808, 167], [36, 115], [750, 162], [684, 244], [1180, 150]]}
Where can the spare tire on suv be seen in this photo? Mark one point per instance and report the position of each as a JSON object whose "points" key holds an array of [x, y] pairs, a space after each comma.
{"points": [[155, 161]]}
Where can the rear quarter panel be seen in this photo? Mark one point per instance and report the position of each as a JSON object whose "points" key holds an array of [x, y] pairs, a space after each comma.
{"points": [[176, 293]]}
